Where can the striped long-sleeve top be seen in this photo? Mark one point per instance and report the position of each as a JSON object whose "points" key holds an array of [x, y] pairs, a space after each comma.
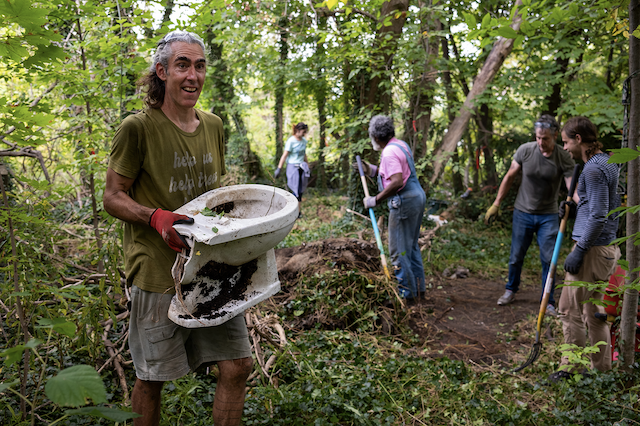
{"points": [[597, 187]]}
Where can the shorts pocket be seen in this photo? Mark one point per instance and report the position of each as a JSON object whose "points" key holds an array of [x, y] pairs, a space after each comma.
{"points": [[164, 343], [237, 328]]}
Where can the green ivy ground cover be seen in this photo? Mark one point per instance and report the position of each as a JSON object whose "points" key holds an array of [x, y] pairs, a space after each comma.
{"points": [[343, 371]]}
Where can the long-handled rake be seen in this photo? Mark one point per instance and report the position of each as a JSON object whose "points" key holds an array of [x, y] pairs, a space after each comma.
{"points": [[383, 258], [537, 345]]}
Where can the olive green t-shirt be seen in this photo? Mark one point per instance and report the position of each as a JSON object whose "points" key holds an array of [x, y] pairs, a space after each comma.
{"points": [[170, 167], [541, 178]]}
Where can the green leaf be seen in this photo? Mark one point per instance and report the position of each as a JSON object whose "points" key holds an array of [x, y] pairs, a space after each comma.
{"points": [[112, 414], [636, 33], [73, 386], [470, 20], [45, 54], [507, 32], [5, 386], [486, 20], [557, 14], [623, 155], [331, 4], [60, 325], [208, 212], [14, 354]]}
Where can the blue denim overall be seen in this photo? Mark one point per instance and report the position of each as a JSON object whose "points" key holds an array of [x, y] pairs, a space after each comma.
{"points": [[406, 209]]}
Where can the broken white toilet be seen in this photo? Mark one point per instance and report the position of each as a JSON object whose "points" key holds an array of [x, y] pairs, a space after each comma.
{"points": [[231, 265]]}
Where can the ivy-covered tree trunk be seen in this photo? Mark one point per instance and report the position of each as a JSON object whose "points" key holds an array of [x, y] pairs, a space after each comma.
{"points": [[225, 105], [422, 89], [280, 88], [168, 10], [630, 298], [378, 91]]}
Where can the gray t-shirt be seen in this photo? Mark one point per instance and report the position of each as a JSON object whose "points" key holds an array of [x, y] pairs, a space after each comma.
{"points": [[541, 178]]}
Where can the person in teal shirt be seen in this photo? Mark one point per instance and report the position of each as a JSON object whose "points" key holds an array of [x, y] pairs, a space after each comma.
{"points": [[295, 154]]}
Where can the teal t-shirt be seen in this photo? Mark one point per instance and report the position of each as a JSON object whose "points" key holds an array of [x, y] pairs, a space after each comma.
{"points": [[296, 150]]}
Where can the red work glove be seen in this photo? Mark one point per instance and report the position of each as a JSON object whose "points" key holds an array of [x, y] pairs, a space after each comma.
{"points": [[163, 221]]}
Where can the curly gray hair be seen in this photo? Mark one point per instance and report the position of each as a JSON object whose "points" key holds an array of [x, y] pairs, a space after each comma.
{"points": [[381, 128], [163, 52], [154, 85]]}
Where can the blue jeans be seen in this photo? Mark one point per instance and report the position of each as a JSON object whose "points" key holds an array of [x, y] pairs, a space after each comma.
{"points": [[545, 226], [405, 216]]}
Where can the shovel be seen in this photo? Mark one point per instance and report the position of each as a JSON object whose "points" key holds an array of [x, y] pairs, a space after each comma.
{"points": [[537, 345], [383, 258]]}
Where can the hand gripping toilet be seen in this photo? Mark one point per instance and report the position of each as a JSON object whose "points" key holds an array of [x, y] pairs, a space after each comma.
{"points": [[231, 263]]}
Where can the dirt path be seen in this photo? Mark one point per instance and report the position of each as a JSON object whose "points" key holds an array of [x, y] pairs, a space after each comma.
{"points": [[459, 318]]}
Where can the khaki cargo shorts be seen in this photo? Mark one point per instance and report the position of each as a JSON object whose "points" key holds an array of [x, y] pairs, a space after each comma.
{"points": [[163, 351]]}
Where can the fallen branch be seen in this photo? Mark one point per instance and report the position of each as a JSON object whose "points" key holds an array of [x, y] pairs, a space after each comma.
{"points": [[116, 364], [113, 357], [358, 214], [425, 237]]}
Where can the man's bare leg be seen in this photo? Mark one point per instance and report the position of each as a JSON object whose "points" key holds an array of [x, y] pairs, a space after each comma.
{"points": [[228, 402], [145, 400]]}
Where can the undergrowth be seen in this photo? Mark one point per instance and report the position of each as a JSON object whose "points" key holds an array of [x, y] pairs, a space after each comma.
{"points": [[350, 358]]}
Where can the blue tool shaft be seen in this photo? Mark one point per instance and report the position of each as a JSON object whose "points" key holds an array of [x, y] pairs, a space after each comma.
{"points": [[372, 215]]}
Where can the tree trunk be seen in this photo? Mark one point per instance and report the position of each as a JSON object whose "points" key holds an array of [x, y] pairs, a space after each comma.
{"points": [[321, 101], [219, 84], [630, 298], [89, 180], [484, 141], [168, 10], [378, 93], [501, 49], [224, 105], [458, 185], [422, 89], [281, 89], [554, 100]]}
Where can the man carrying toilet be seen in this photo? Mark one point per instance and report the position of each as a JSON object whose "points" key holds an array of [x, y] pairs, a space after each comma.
{"points": [[162, 158]]}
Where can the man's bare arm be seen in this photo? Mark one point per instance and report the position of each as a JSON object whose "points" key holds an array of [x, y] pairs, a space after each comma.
{"points": [[119, 204], [507, 181]]}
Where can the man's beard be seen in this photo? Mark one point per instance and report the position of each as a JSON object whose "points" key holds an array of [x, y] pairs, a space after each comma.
{"points": [[376, 146]]}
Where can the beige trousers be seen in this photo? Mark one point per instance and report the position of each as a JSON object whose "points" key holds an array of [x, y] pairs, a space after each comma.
{"points": [[598, 265]]}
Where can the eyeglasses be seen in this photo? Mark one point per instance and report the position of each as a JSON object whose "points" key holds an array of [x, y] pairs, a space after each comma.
{"points": [[166, 39], [544, 125], [177, 35]]}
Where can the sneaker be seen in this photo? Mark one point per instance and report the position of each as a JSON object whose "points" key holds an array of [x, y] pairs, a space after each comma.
{"points": [[559, 376], [506, 298], [551, 311]]}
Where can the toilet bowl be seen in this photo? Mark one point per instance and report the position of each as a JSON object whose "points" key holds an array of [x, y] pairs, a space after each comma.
{"points": [[231, 256]]}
